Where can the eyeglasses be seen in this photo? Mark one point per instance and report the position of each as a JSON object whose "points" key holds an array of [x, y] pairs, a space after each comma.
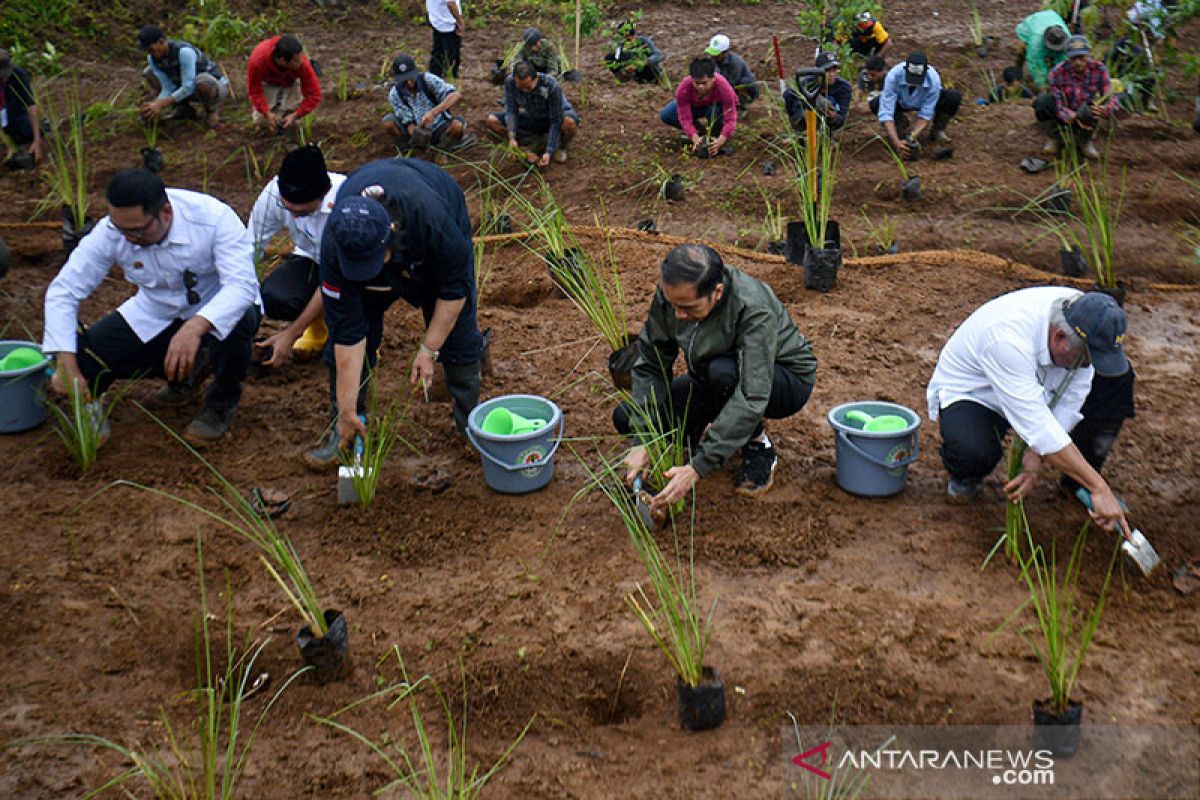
{"points": [[135, 233], [189, 282]]}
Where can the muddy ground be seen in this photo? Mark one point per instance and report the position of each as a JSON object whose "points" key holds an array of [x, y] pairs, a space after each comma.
{"points": [[875, 606]]}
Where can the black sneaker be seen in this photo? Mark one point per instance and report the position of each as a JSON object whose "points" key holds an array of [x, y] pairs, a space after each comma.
{"points": [[963, 488], [757, 472], [209, 425]]}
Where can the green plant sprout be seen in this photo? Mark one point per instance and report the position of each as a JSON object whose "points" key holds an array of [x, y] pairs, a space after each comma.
{"points": [[83, 426], [843, 783], [1100, 206], [813, 192], [69, 170], [976, 27], [422, 771], [384, 432], [236, 513], [206, 758], [883, 234]]}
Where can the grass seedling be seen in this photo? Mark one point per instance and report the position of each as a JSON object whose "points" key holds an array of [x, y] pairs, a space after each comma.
{"points": [[883, 234], [384, 427], [68, 170], [891, 151], [1066, 629], [343, 84], [976, 27], [150, 131], [419, 769], [83, 426], [845, 782], [774, 220], [1100, 212], [673, 617], [305, 125], [205, 758], [235, 512]]}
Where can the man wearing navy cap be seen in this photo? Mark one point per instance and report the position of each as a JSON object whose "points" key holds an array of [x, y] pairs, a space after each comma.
{"points": [[1050, 363], [914, 85], [399, 229]]}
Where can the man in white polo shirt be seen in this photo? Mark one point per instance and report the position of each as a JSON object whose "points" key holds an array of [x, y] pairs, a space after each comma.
{"points": [[446, 19], [298, 199], [192, 260], [1003, 367]]}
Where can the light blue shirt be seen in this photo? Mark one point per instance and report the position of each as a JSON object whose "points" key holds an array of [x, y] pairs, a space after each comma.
{"points": [[896, 91], [187, 74]]}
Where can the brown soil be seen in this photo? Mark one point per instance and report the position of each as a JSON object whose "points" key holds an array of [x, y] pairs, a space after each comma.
{"points": [[878, 606]]}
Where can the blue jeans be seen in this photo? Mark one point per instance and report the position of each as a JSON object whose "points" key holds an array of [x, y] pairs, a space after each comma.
{"points": [[710, 115]]}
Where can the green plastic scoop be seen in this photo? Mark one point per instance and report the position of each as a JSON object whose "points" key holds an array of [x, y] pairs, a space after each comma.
{"points": [[884, 423], [502, 422], [21, 358]]}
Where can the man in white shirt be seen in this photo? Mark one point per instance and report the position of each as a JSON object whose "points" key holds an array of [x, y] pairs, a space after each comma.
{"points": [[299, 199], [1004, 366], [445, 16], [193, 263]]}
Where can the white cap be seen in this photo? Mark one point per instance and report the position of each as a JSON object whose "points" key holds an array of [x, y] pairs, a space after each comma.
{"points": [[717, 45]]}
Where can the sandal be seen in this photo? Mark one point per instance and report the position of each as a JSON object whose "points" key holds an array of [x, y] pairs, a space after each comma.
{"points": [[1033, 165], [435, 480], [269, 503], [1186, 579]]}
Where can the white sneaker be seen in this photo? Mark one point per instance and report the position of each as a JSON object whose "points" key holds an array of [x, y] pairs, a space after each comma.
{"points": [[560, 155]]}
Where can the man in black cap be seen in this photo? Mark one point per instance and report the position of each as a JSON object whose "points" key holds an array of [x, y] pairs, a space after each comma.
{"points": [[914, 85], [541, 52], [421, 103], [300, 198], [19, 118], [180, 75], [399, 229], [1050, 363], [826, 93]]}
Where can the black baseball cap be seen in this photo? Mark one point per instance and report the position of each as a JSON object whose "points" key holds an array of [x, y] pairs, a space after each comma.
{"points": [[404, 68], [827, 59], [915, 68]]}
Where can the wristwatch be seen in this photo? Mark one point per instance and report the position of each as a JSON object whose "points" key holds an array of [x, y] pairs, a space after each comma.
{"points": [[429, 351]]}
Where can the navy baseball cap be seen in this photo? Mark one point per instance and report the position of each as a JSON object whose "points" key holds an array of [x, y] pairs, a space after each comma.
{"points": [[1100, 322], [361, 231], [915, 68]]}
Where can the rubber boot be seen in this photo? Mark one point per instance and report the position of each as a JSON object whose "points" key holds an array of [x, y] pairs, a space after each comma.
{"points": [[312, 342], [462, 382]]}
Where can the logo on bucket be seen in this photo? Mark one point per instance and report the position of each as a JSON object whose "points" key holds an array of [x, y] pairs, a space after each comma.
{"points": [[898, 454], [532, 455]]}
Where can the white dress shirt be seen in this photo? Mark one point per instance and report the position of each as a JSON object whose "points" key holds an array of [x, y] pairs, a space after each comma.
{"points": [[206, 237], [269, 217], [1000, 358], [440, 16]]}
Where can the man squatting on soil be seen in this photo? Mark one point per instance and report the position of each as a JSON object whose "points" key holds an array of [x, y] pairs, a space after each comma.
{"points": [[299, 199], [420, 115], [535, 105], [1003, 366], [746, 361], [399, 229], [281, 83], [19, 117], [705, 98], [181, 75], [193, 263], [914, 85]]}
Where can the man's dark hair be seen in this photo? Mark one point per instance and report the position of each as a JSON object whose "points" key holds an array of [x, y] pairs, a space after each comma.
{"points": [[287, 48], [703, 67], [875, 64], [696, 265], [137, 187], [523, 70], [1011, 74]]}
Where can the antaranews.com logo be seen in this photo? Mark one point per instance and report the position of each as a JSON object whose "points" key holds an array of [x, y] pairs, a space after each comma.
{"points": [[1007, 767]]}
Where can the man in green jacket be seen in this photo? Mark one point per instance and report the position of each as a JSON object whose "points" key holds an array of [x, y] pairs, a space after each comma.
{"points": [[1043, 45], [746, 361]]}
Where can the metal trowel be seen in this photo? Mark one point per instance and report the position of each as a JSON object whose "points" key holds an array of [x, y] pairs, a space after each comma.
{"points": [[1137, 548], [348, 473], [643, 508]]}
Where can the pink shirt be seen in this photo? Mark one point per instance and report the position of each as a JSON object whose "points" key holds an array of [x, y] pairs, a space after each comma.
{"points": [[722, 92]]}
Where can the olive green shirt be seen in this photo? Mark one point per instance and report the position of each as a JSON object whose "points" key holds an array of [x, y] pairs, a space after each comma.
{"points": [[547, 61]]}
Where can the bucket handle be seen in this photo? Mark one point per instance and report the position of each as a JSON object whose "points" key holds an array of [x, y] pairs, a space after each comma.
{"points": [[518, 467], [879, 462]]}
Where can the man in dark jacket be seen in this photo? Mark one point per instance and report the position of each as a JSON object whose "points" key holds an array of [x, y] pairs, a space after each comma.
{"points": [[735, 70], [181, 75], [399, 229], [746, 361], [828, 94], [635, 58], [534, 104], [19, 113]]}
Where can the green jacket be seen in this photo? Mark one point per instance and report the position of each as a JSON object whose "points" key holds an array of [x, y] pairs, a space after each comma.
{"points": [[547, 61], [748, 321], [1031, 31]]}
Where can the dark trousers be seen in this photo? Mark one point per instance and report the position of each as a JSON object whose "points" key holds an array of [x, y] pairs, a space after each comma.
{"points": [[19, 129], [459, 356], [1046, 111], [707, 119], [446, 59], [289, 287], [949, 101], [110, 350], [972, 434], [699, 400]]}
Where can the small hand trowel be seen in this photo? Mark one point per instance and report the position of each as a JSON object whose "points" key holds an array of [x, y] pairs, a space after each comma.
{"points": [[1137, 548], [348, 473], [643, 508]]}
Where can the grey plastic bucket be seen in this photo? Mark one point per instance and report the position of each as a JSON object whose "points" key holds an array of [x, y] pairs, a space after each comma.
{"points": [[874, 464], [21, 403], [524, 462]]}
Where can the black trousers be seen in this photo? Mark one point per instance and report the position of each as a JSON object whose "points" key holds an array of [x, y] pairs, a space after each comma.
{"points": [[699, 400], [1046, 111], [460, 355], [289, 287], [972, 434], [446, 59], [20, 130], [949, 101], [110, 350]]}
